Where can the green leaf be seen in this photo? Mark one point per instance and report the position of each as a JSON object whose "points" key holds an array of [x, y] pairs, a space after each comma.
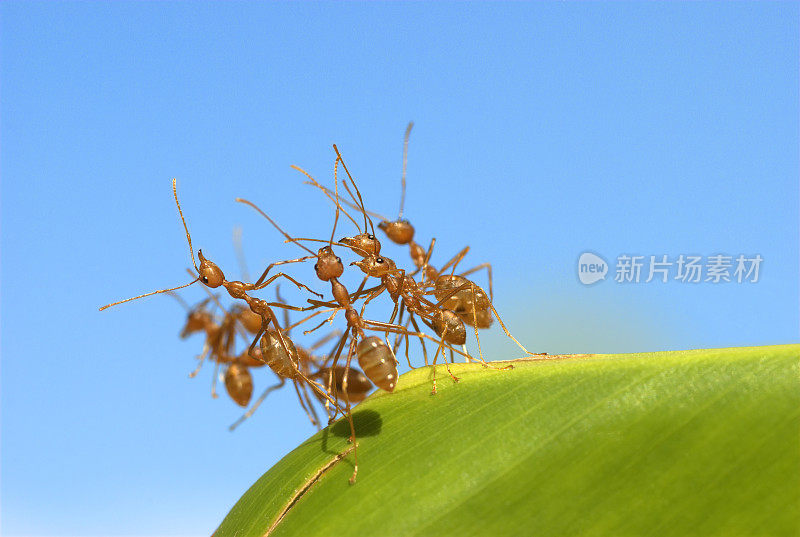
{"points": [[702, 442]]}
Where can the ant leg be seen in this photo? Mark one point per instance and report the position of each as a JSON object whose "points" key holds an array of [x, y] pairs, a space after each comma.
{"points": [[426, 264], [298, 323], [384, 327], [286, 320], [372, 295], [478, 339], [202, 358], [421, 340], [455, 260], [438, 342], [303, 404], [507, 332], [329, 389], [214, 381], [444, 359], [393, 317], [328, 320], [320, 304], [264, 275], [398, 337], [436, 357], [197, 369], [311, 406], [314, 386], [337, 353], [359, 293], [472, 288], [281, 274], [447, 365], [250, 352], [361, 288], [324, 340], [258, 402], [475, 325], [302, 395], [349, 412]]}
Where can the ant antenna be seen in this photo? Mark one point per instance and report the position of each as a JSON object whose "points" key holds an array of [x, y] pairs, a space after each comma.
{"points": [[271, 221], [191, 253], [361, 201], [336, 189], [356, 249], [151, 293], [405, 163], [237, 245], [188, 237], [328, 193]]}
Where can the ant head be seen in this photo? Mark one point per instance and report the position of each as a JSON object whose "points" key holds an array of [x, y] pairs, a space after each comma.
{"points": [[399, 231], [363, 244], [210, 274], [376, 266], [328, 265], [196, 321]]}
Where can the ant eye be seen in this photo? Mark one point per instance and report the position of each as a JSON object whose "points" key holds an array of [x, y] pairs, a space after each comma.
{"points": [[339, 260], [316, 266], [371, 237], [379, 260], [204, 279]]}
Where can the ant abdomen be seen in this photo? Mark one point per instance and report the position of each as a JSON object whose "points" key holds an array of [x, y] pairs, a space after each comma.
{"points": [[377, 361], [239, 384], [250, 321], [469, 296], [358, 385], [449, 326], [282, 363], [399, 231], [483, 317]]}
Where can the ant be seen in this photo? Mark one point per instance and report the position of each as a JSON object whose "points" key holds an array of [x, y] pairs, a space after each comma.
{"points": [[454, 292], [211, 276], [402, 288], [305, 361], [374, 355]]}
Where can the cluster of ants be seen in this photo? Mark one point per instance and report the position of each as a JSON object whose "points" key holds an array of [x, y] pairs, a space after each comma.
{"points": [[443, 301]]}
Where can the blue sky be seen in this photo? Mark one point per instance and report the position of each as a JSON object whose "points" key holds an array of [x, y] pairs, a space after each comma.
{"points": [[542, 131]]}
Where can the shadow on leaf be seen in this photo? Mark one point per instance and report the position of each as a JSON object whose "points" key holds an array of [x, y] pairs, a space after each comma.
{"points": [[365, 422]]}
